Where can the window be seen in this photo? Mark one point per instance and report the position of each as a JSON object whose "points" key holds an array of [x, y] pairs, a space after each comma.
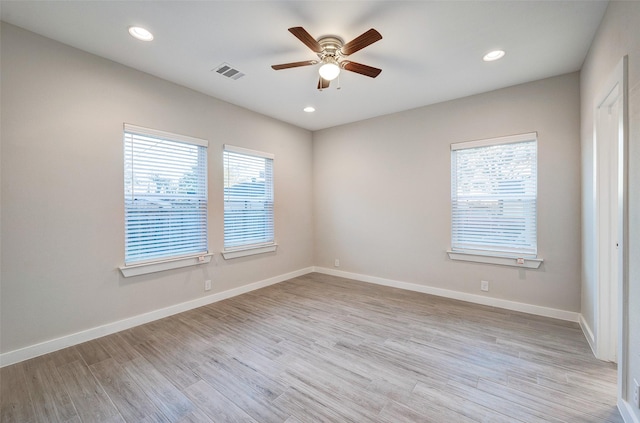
{"points": [[165, 196], [493, 197], [248, 202]]}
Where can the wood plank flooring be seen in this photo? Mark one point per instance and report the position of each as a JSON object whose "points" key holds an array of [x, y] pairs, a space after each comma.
{"points": [[322, 349]]}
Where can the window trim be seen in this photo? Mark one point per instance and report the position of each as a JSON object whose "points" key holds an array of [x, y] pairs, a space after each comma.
{"points": [[530, 263], [127, 127], [486, 256], [178, 261], [229, 254], [252, 249], [248, 152], [508, 139], [166, 264]]}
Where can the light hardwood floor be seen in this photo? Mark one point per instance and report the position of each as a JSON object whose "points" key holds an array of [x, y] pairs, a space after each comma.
{"points": [[322, 349]]}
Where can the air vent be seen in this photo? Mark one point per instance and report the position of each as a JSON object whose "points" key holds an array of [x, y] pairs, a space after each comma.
{"points": [[229, 71]]}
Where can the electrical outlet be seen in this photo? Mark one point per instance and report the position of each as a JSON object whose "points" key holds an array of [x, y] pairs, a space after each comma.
{"points": [[484, 285], [207, 285], [336, 263], [636, 393]]}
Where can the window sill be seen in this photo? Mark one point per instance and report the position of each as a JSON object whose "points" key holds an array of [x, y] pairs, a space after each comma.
{"points": [[231, 254], [529, 263], [168, 264]]}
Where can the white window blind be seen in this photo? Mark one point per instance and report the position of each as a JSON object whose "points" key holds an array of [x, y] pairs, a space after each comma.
{"points": [[165, 189], [248, 198], [493, 196]]}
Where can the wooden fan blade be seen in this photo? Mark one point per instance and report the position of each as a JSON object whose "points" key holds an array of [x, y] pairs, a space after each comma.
{"points": [[301, 34], [368, 38], [294, 64], [323, 83], [365, 70]]}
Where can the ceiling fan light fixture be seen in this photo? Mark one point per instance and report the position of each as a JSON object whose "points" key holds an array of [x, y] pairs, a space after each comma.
{"points": [[329, 70]]}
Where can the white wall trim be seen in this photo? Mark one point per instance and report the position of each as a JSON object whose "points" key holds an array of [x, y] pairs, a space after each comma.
{"points": [[16, 356], [457, 295], [588, 333], [626, 411]]}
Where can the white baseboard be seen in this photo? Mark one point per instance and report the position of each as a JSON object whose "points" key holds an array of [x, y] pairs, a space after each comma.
{"points": [[588, 333], [626, 411], [52, 345], [457, 295]]}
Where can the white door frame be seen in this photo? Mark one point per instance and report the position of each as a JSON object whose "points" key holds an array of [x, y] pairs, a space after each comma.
{"points": [[610, 188]]}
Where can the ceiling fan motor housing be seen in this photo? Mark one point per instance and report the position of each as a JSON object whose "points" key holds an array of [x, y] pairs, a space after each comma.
{"points": [[331, 46]]}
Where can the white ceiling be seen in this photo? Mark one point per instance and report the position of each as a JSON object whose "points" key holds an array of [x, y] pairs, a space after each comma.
{"points": [[431, 51]]}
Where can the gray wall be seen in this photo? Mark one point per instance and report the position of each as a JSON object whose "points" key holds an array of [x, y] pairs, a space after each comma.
{"points": [[618, 35], [62, 189], [382, 192]]}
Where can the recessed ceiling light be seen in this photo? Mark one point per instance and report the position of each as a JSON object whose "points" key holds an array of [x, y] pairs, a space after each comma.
{"points": [[493, 55], [309, 109], [140, 33]]}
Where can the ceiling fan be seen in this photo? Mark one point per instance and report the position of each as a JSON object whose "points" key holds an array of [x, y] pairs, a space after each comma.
{"points": [[331, 51]]}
